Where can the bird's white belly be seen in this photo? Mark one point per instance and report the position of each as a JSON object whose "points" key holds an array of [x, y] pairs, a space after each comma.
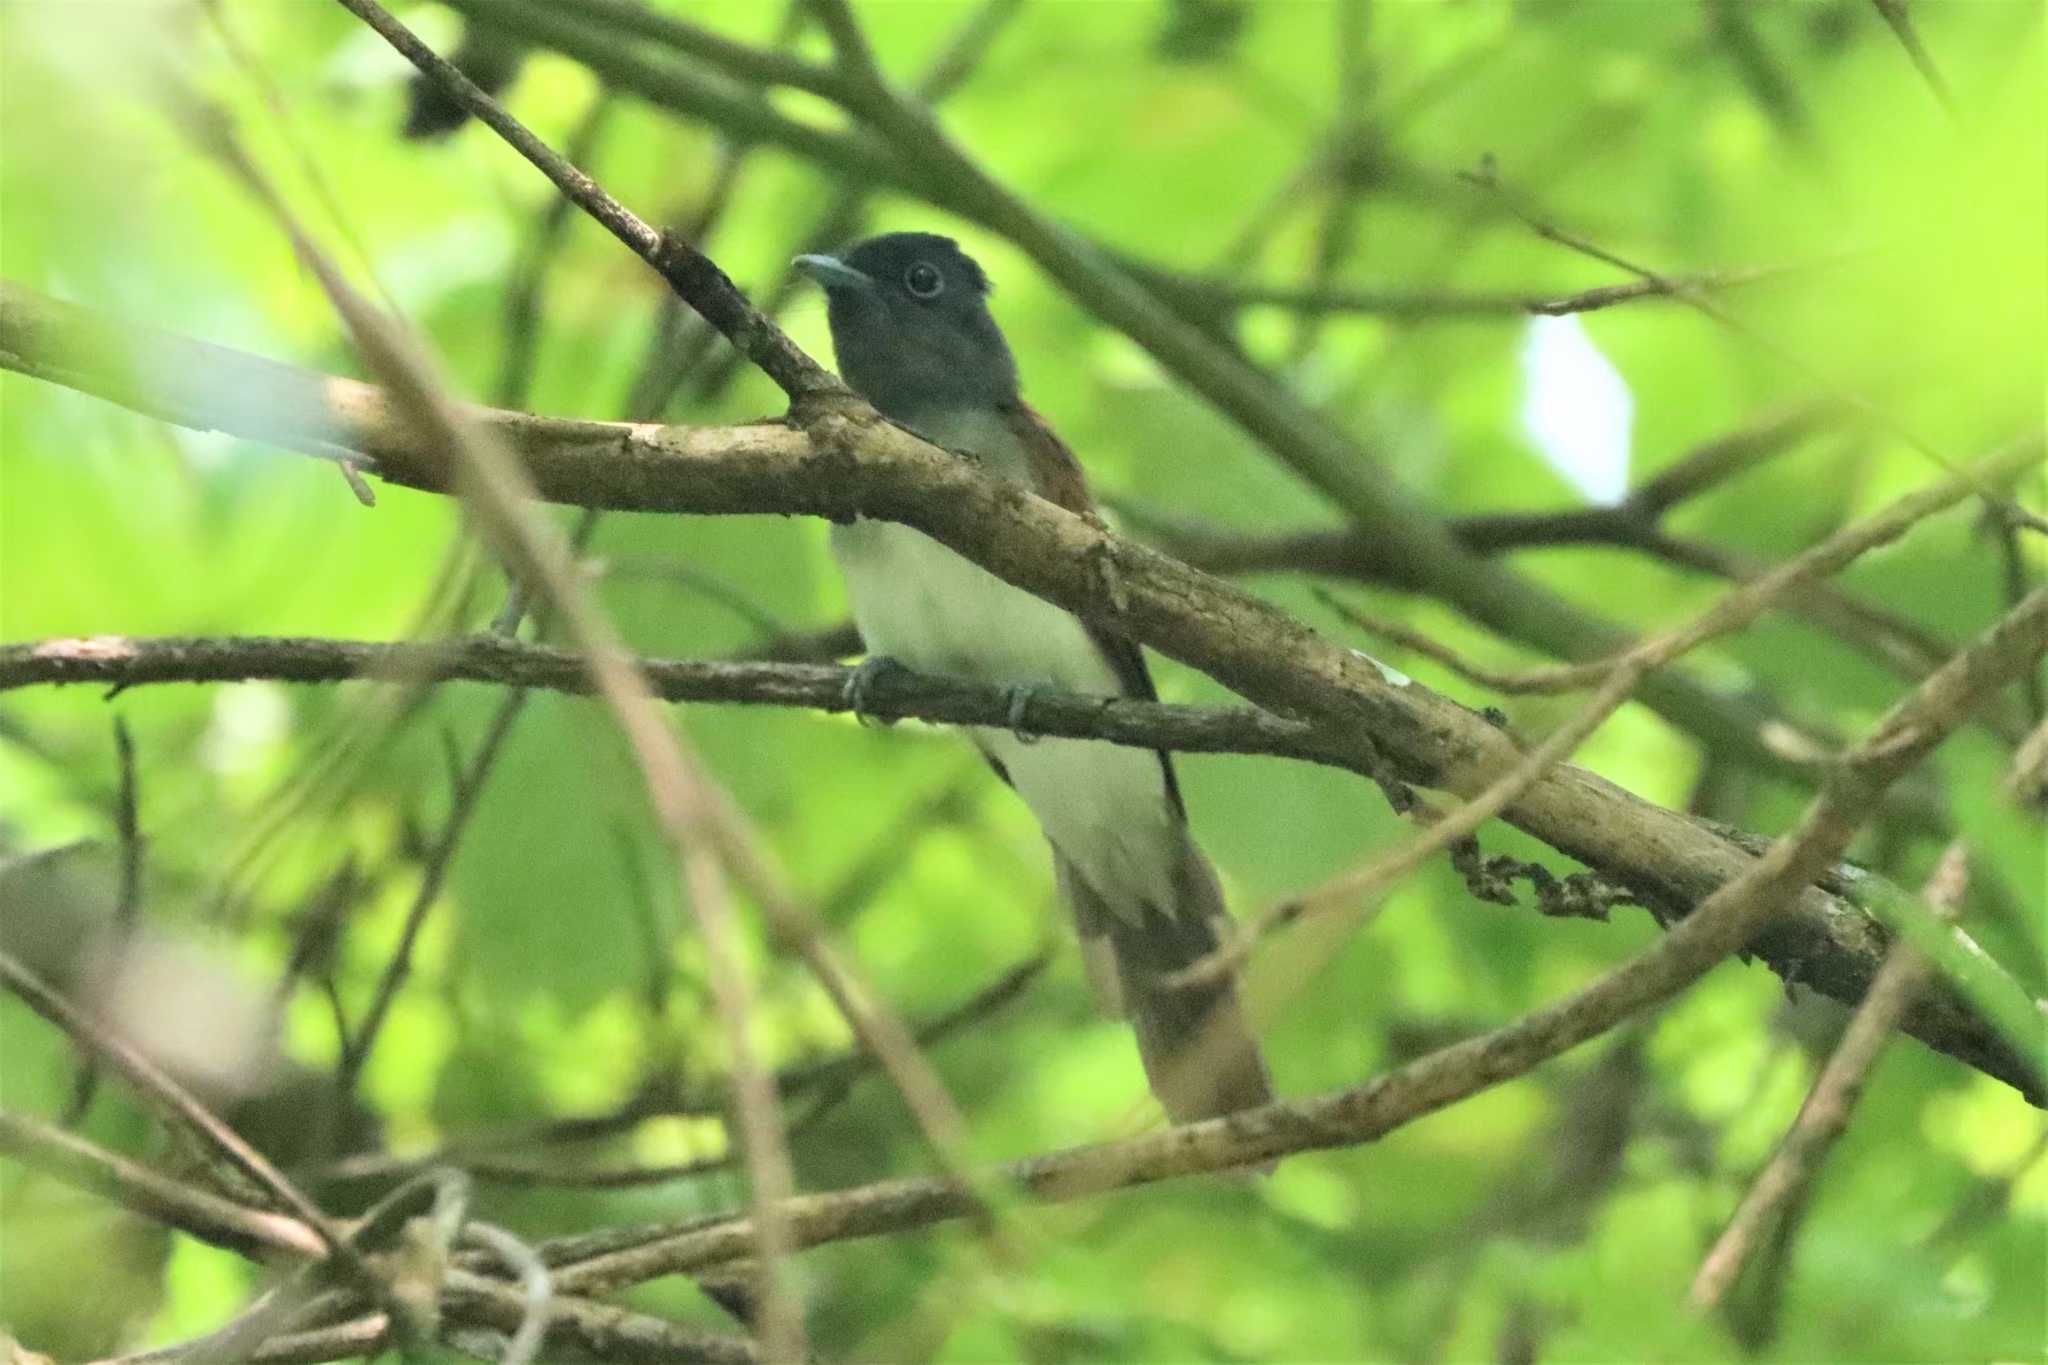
{"points": [[1104, 806]]}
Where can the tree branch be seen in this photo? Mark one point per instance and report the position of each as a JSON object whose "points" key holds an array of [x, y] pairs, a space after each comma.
{"points": [[1826, 1112], [588, 30], [174, 1102], [1209, 295], [122, 662], [686, 807], [692, 274], [846, 467], [1826, 941], [1727, 920], [1632, 524], [203, 1214], [917, 156]]}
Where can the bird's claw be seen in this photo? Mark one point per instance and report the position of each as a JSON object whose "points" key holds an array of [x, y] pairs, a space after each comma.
{"points": [[1020, 695], [860, 686]]}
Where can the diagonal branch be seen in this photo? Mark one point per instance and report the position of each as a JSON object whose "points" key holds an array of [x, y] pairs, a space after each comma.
{"points": [[688, 271], [1615, 680], [1633, 524], [849, 467], [1728, 920]]}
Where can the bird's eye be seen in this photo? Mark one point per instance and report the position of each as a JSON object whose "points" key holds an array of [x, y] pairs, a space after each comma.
{"points": [[923, 280]]}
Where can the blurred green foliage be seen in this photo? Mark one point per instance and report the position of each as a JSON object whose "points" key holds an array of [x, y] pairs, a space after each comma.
{"points": [[1560, 1216]]}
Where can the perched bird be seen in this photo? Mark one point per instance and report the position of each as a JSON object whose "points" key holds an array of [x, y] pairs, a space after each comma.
{"points": [[911, 325]]}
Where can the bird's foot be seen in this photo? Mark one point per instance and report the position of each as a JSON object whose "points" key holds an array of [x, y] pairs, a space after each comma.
{"points": [[860, 687], [1020, 695]]}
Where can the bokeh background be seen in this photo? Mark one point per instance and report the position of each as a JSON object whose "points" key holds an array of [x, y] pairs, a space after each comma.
{"points": [[1292, 145]]}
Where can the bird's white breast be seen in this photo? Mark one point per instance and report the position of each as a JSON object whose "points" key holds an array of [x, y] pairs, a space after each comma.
{"points": [[1104, 806]]}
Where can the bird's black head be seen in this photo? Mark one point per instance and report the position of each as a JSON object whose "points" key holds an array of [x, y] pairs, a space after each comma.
{"points": [[910, 322]]}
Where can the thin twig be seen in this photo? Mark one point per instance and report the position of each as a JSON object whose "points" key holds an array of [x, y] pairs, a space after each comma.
{"points": [[849, 44], [946, 803], [481, 1311], [128, 825], [1743, 605], [535, 1286], [757, 65], [1761, 73], [689, 272], [2013, 560], [357, 1339], [824, 1082], [1363, 887], [121, 661], [579, 1327], [463, 802], [127, 902], [962, 54], [1827, 1110], [2027, 780], [1354, 137], [1986, 1201], [1583, 675]]}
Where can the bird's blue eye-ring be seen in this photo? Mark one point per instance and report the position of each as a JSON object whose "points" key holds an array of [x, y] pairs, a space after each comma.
{"points": [[924, 280]]}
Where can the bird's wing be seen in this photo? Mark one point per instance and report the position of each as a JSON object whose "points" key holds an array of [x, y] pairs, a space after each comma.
{"points": [[1056, 476]]}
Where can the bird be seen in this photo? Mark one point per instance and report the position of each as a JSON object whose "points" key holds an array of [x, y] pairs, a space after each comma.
{"points": [[914, 336]]}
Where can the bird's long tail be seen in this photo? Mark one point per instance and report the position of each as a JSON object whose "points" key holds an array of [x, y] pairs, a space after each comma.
{"points": [[1199, 1053]]}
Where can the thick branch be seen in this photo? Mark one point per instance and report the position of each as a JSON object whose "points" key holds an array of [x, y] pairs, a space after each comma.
{"points": [[768, 467], [845, 467], [1726, 921]]}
